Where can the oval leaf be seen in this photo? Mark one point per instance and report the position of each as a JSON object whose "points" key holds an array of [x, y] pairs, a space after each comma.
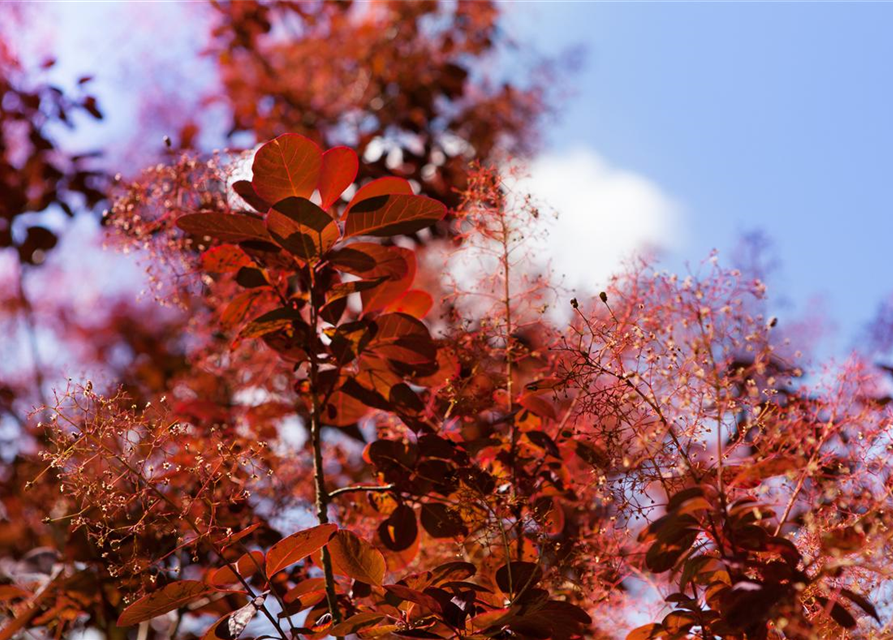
{"points": [[415, 303], [247, 566], [355, 558], [301, 228], [290, 165], [385, 216], [297, 546], [339, 168], [168, 598], [226, 227], [355, 623], [390, 185], [440, 522]]}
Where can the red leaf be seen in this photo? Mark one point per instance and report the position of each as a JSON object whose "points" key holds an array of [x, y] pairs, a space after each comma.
{"points": [[752, 474], [231, 626], [238, 535], [224, 259], [237, 309], [415, 303], [306, 592], [441, 522], [392, 215], [403, 338], [343, 410], [537, 404], [400, 530], [339, 168], [168, 598], [381, 187], [290, 165], [297, 547], [245, 190], [515, 577], [398, 266], [301, 228], [355, 623], [651, 631], [355, 558], [247, 566], [226, 227], [411, 595], [368, 260]]}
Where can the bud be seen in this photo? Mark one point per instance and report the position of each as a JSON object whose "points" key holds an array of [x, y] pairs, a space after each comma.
{"points": [[604, 297]]}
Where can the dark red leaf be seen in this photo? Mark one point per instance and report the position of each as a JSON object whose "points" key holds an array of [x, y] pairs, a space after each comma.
{"points": [[405, 593], [168, 598], [226, 227], [515, 577], [245, 190], [400, 529], [441, 522]]}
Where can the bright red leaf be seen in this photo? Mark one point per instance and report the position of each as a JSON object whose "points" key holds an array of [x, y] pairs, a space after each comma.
{"points": [[392, 215], [289, 165], [339, 168], [297, 546]]}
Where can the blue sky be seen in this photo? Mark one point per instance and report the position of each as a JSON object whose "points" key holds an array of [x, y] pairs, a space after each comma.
{"points": [[690, 124], [769, 116]]}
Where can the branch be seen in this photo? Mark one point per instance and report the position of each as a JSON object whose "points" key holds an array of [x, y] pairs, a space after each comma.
{"points": [[371, 489]]}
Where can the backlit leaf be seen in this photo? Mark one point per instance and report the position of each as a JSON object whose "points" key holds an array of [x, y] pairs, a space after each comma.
{"points": [[301, 228], [249, 564], [385, 216], [653, 631], [339, 168], [297, 546], [356, 622], [838, 613], [231, 626], [389, 185], [752, 474], [282, 318], [397, 267], [355, 558], [289, 165], [224, 259], [415, 303], [411, 595]]}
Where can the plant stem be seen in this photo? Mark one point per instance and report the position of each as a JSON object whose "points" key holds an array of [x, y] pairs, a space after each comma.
{"points": [[319, 478], [509, 390]]}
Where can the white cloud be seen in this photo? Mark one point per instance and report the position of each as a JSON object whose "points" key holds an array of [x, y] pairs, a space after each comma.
{"points": [[605, 215]]}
